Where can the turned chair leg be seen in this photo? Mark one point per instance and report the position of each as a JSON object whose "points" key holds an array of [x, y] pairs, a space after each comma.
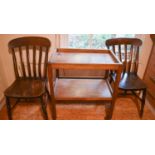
{"points": [[111, 79], [48, 94], [43, 107], [143, 103], [8, 108], [53, 109], [108, 110]]}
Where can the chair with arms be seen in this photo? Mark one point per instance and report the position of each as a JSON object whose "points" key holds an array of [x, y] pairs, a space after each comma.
{"points": [[127, 50], [30, 58]]}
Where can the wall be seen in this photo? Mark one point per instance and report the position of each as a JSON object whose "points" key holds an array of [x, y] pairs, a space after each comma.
{"points": [[144, 53], [2, 78], [3, 81]]}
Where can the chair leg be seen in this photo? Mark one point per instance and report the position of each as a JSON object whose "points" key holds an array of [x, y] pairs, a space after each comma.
{"points": [[111, 79], [125, 92], [53, 109], [48, 94], [43, 107], [143, 103], [8, 108], [108, 109]]}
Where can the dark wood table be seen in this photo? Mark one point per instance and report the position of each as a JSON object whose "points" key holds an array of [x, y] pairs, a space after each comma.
{"points": [[89, 90]]}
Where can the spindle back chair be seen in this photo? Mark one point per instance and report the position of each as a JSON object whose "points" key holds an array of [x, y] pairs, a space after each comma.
{"points": [[127, 50], [30, 49], [30, 58]]}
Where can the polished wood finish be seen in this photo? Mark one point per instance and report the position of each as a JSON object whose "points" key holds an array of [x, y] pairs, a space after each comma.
{"points": [[26, 88], [131, 82], [149, 76], [77, 59], [86, 90], [80, 111], [127, 50], [82, 89], [83, 58], [29, 49], [30, 72], [78, 72]]}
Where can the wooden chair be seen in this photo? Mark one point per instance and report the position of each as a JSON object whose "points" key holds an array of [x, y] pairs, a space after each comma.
{"points": [[30, 58], [127, 50]]}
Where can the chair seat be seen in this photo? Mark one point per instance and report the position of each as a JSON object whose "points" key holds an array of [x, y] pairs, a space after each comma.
{"points": [[131, 82], [26, 88]]}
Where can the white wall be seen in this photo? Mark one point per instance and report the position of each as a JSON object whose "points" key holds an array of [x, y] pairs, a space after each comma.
{"points": [[3, 84], [144, 53]]}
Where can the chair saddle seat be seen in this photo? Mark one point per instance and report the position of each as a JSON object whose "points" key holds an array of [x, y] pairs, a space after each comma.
{"points": [[26, 88], [131, 82]]}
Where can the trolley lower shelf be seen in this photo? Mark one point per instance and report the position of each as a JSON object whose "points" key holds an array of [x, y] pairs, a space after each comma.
{"points": [[82, 89]]}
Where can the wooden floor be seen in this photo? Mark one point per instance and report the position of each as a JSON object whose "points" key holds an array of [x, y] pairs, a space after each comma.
{"points": [[125, 109]]}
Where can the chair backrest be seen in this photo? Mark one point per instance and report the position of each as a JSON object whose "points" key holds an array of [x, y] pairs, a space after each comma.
{"points": [[30, 56], [127, 50]]}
